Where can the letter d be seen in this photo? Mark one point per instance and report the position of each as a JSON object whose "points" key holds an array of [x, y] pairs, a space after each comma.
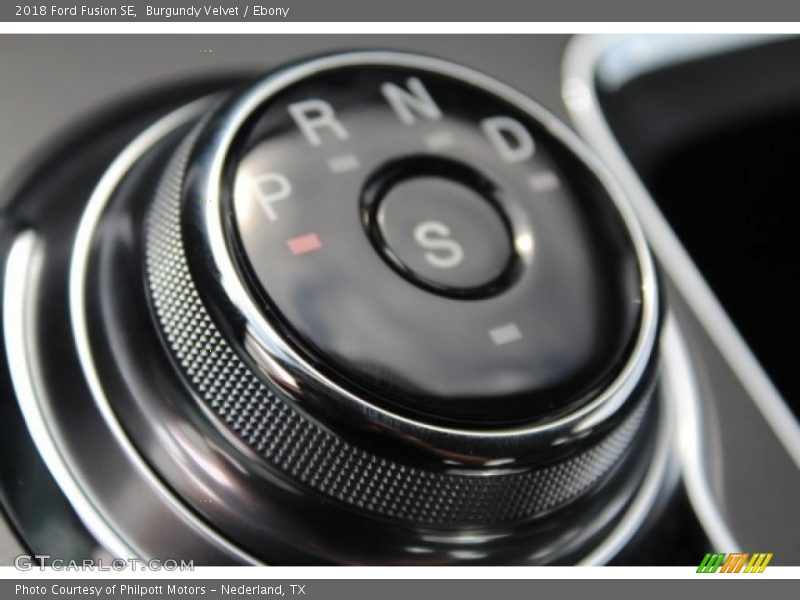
{"points": [[509, 137]]}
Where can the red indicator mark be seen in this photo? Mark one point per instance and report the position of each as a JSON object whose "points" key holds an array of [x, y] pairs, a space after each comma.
{"points": [[304, 243]]}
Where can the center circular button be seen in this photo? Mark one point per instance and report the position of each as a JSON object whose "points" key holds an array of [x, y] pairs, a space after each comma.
{"points": [[437, 224]]}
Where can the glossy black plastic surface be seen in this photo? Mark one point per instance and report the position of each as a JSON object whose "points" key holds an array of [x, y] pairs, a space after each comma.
{"points": [[30, 496], [541, 346], [723, 169]]}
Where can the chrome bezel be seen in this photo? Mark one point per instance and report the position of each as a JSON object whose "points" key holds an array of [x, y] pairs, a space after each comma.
{"points": [[89, 500]]}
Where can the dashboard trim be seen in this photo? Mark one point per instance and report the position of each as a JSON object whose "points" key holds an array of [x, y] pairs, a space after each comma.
{"points": [[581, 72], [581, 64]]}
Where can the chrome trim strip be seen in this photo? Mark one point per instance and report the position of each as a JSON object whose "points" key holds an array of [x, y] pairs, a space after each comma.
{"points": [[689, 443], [281, 356], [77, 283], [642, 55], [19, 292], [581, 64]]}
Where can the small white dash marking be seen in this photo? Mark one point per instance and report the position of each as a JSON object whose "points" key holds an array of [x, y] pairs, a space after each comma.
{"points": [[440, 141], [345, 162], [544, 181], [505, 334]]}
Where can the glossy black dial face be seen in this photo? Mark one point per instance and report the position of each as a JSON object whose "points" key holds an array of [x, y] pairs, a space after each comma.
{"points": [[433, 247]]}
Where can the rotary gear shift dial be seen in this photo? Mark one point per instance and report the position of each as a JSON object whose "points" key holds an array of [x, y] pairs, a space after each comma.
{"points": [[380, 293], [396, 247]]}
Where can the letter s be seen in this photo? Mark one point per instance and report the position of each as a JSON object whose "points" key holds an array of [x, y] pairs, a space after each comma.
{"points": [[434, 235]]}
